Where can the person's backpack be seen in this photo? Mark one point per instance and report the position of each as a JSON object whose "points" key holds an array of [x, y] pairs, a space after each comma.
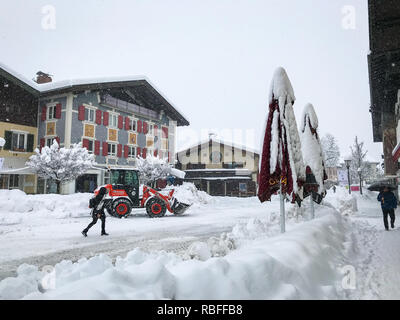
{"points": [[92, 202]]}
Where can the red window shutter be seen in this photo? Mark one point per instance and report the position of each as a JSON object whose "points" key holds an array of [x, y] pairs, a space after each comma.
{"points": [[42, 143], [58, 140], [126, 151], [145, 127], [127, 123], [169, 156], [120, 122], [58, 111], [139, 152], [156, 153], [165, 132], [119, 151], [155, 130], [139, 126], [81, 113], [105, 149], [44, 113], [97, 147], [85, 143], [98, 117], [144, 153], [105, 118]]}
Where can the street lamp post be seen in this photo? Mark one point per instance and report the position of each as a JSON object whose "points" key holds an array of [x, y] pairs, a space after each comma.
{"points": [[347, 161], [359, 175]]}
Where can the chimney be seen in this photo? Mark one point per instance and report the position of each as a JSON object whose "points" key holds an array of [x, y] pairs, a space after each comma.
{"points": [[42, 77]]}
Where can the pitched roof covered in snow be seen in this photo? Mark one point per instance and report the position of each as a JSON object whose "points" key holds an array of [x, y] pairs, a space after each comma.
{"points": [[221, 142], [147, 88]]}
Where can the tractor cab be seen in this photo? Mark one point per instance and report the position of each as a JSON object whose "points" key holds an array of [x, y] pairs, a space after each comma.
{"points": [[125, 180]]}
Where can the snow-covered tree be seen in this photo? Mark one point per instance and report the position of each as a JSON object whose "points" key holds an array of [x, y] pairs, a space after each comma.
{"points": [[152, 168], [61, 164], [358, 155], [330, 150], [2, 142], [311, 146]]}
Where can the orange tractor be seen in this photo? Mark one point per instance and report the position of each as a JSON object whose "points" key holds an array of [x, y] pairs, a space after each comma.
{"points": [[124, 193]]}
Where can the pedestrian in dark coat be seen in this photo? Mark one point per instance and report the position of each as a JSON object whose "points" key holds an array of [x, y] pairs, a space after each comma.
{"points": [[98, 213], [389, 204]]}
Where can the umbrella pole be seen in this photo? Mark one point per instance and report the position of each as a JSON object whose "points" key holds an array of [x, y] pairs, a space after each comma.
{"points": [[312, 207], [282, 200]]}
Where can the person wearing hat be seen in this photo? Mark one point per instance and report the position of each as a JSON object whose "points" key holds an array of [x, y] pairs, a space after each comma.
{"points": [[97, 203], [388, 204]]}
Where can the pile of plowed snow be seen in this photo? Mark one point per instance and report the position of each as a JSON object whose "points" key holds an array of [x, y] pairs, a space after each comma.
{"points": [[16, 205], [304, 263], [189, 194]]}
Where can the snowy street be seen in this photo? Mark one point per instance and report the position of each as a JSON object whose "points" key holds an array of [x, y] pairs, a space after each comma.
{"points": [[44, 240], [306, 262]]}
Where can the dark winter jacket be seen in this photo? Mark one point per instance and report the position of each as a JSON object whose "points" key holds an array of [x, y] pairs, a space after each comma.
{"points": [[98, 208], [388, 200]]}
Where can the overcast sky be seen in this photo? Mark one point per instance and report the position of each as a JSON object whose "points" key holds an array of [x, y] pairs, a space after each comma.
{"points": [[213, 59]]}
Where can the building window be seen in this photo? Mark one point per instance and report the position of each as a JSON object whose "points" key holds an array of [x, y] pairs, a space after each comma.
{"points": [[243, 187], [4, 179], [151, 129], [164, 144], [112, 149], [18, 142], [132, 152], [14, 181], [90, 147], [90, 115], [132, 125], [113, 120], [49, 141], [51, 112]]}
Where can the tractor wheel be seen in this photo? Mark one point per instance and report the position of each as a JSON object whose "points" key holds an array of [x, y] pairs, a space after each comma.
{"points": [[155, 208], [121, 207]]}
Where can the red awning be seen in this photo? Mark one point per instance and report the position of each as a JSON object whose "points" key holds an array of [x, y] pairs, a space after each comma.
{"points": [[396, 152]]}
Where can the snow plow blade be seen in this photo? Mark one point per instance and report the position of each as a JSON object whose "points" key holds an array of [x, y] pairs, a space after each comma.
{"points": [[179, 207]]}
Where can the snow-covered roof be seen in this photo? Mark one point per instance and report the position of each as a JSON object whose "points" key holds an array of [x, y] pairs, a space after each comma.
{"points": [[47, 88], [220, 141]]}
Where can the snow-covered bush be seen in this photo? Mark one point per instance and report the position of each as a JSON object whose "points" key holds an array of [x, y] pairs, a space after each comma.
{"points": [[61, 164], [152, 168]]}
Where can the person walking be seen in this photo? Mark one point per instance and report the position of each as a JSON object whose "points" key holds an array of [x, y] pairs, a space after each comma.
{"points": [[389, 204], [98, 212]]}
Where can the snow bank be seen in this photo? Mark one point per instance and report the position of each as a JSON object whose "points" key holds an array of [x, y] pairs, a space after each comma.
{"points": [[301, 264], [344, 202], [16, 205]]}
